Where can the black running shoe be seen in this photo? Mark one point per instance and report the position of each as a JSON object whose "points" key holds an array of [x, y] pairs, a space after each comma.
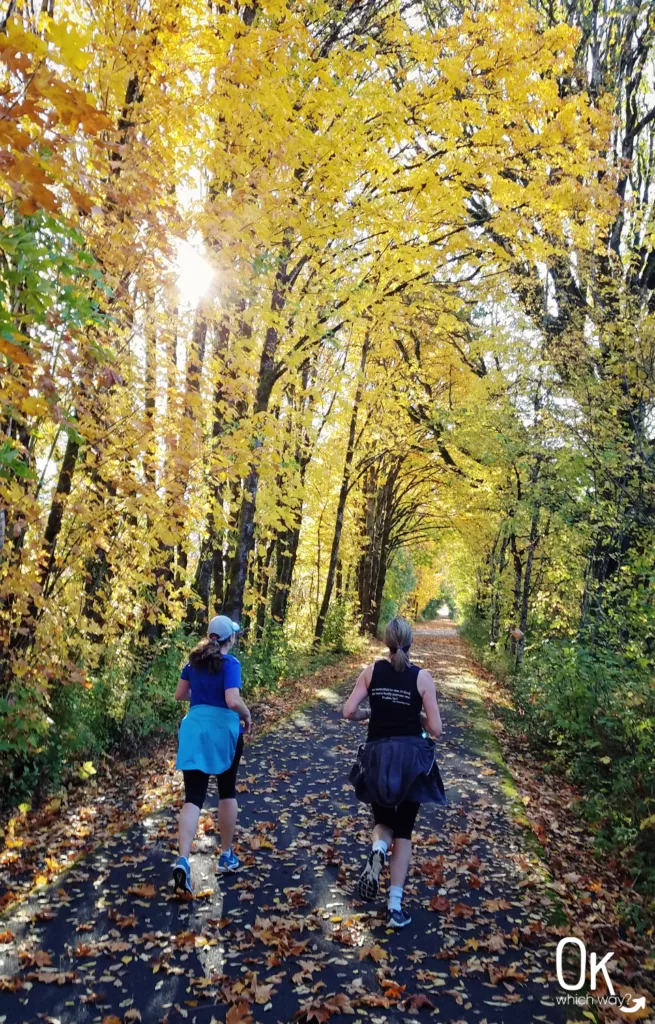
{"points": [[397, 919], [368, 882]]}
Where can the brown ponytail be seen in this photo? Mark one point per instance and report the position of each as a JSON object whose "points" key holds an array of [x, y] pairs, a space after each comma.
{"points": [[397, 635], [207, 655]]}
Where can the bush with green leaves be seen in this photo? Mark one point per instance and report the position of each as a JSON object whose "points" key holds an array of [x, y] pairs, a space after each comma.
{"points": [[335, 631], [591, 712]]}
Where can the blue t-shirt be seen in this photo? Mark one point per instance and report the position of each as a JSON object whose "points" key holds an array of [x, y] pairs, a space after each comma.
{"points": [[209, 687]]}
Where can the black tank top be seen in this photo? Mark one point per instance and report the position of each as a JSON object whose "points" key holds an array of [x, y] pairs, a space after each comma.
{"points": [[395, 702]]}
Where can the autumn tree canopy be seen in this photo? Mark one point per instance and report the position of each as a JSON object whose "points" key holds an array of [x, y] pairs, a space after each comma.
{"points": [[295, 294]]}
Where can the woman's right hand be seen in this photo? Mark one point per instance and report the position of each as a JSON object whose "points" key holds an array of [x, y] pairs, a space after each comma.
{"points": [[247, 723]]}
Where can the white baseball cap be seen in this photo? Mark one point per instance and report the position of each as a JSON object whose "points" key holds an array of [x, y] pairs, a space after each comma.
{"points": [[223, 627]]}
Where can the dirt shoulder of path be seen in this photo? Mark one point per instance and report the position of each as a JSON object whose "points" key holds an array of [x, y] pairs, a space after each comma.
{"points": [[42, 844]]}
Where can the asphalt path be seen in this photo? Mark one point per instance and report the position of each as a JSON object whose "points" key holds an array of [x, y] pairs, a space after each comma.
{"points": [[285, 938]]}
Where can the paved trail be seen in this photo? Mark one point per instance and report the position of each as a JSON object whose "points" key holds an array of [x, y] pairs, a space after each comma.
{"points": [[110, 943]]}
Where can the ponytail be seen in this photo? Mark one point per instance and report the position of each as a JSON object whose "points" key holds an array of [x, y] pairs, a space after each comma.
{"points": [[398, 638], [400, 660], [207, 655]]}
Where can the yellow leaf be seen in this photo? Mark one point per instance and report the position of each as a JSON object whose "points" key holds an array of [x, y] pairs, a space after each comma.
{"points": [[69, 42], [32, 406]]}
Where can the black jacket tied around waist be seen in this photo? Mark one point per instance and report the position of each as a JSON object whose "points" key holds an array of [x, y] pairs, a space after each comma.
{"points": [[397, 768]]}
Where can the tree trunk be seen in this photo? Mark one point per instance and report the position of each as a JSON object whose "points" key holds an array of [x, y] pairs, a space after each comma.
{"points": [[364, 572], [286, 545], [518, 579], [198, 605], [264, 581], [53, 527], [497, 582], [341, 505], [286, 551], [246, 533], [527, 580]]}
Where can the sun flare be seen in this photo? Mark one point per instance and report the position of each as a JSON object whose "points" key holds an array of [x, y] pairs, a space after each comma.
{"points": [[194, 273]]}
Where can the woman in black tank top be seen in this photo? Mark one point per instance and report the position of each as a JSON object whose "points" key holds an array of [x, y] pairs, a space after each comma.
{"points": [[396, 769], [396, 704]]}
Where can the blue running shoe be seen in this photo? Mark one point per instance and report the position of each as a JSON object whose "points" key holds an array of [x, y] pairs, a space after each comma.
{"points": [[228, 862], [397, 919], [182, 876]]}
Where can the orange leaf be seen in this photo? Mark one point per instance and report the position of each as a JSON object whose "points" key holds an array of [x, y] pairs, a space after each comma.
{"points": [[392, 989], [145, 891], [461, 839], [15, 352], [238, 1014], [376, 953]]}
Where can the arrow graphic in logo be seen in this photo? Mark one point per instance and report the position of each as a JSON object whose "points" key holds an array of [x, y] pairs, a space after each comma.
{"points": [[639, 1004]]}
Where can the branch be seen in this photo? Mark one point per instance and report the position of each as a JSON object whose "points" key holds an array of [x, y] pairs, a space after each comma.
{"points": [[640, 125]]}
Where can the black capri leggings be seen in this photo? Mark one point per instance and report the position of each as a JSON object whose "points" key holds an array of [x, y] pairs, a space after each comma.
{"points": [[399, 819], [196, 782]]}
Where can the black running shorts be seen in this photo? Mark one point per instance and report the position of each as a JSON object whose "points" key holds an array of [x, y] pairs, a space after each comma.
{"points": [[399, 819], [196, 782]]}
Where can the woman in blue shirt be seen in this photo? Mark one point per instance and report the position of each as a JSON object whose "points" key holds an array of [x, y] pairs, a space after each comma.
{"points": [[210, 741]]}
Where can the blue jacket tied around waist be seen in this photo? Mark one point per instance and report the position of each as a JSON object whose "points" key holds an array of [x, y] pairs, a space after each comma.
{"points": [[394, 769], [207, 739]]}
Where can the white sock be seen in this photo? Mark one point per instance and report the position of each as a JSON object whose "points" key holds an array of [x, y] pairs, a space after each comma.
{"points": [[395, 897], [380, 845]]}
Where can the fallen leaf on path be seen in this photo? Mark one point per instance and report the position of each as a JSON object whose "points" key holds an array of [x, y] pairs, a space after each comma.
{"points": [[415, 1003], [497, 974], [376, 953], [496, 942], [496, 904], [146, 892], [239, 1014]]}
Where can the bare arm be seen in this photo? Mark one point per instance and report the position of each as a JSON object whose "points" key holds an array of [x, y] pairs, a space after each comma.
{"points": [[233, 701], [351, 708], [427, 690], [183, 691]]}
